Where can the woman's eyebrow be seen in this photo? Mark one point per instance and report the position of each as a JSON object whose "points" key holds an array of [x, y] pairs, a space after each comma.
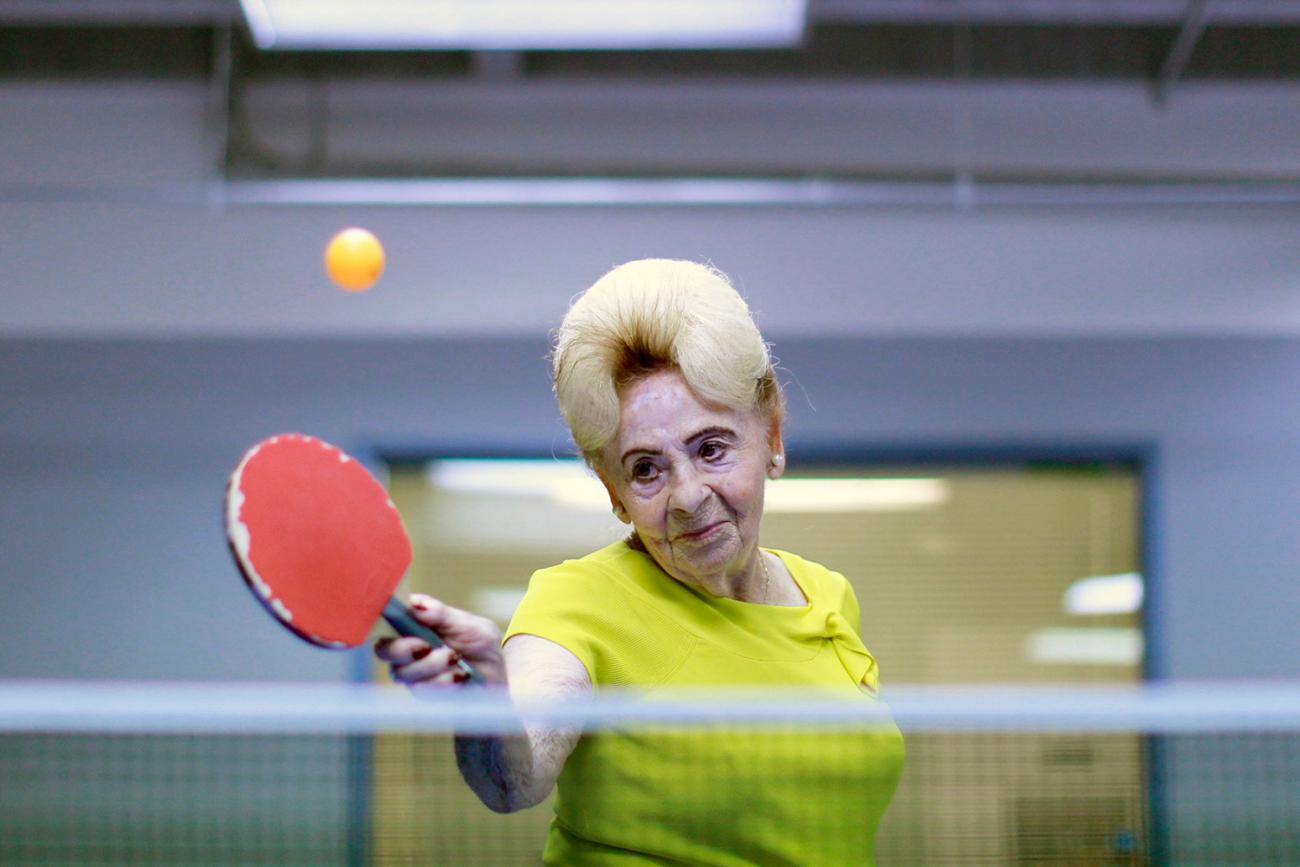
{"points": [[711, 431], [638, 450]]}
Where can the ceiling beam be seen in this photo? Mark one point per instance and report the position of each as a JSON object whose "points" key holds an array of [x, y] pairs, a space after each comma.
{"points": [[1189, 33], [1049, 12], [1012, 12], [73, 13]]}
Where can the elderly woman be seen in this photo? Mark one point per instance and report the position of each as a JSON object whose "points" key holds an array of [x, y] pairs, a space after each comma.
{"points": [[670, 393]]}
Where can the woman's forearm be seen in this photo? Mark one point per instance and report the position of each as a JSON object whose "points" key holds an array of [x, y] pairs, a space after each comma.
{"points": [[514, 771], [500, 770]]}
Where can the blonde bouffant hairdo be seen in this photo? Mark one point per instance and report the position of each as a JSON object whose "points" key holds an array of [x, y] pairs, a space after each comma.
{"points": [[656, 314]]}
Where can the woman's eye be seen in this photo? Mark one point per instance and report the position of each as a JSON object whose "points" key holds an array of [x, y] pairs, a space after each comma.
{"points": [[643, 470], [712, 450]]}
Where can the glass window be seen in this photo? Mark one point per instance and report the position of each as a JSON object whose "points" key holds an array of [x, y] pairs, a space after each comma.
{"points": [[1012, 573]]}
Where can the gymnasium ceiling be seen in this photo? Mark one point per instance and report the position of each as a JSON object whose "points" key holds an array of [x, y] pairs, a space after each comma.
{"points": [[940, 166], [290, 114], [929, 39]]}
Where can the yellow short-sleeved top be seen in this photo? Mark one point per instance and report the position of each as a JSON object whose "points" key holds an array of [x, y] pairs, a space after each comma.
{"points": [[810, 797]]}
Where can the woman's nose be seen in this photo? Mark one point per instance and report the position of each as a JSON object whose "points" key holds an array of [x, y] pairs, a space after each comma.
{"points": [[689, 491]]}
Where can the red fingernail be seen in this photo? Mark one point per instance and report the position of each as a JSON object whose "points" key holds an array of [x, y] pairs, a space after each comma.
{"points": [[453, 658], [422, 652], [459, 676], [420, 606]]}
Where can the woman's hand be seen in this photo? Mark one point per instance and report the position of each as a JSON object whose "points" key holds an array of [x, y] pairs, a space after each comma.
{"points": [[467, 636]]}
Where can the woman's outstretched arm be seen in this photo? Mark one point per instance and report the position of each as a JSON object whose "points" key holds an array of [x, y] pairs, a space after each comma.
{"points": [[510, 773], [507, 772]]}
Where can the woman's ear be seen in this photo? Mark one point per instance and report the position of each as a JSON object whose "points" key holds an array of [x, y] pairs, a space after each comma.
{"points": [[615, 504], [776, 449]]}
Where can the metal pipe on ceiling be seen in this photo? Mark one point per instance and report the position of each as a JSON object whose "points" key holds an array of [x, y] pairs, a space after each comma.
{"points": [[1026, 12], [957, 194]]}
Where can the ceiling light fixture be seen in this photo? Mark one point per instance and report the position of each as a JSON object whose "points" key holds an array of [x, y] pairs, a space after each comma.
{"points": [[568, 483], [1105, 594], [1068, 646], [515, 25]]}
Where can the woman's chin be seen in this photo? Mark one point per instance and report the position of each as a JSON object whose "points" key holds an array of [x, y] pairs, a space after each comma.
{"points": [[709, 555]]}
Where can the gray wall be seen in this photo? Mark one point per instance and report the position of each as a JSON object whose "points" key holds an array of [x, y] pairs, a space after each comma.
{"points": [[147, 336], [114, 454], [105, 231]]}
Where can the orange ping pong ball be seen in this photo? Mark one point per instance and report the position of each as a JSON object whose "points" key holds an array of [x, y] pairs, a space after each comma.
{"points": [[354, 259]]}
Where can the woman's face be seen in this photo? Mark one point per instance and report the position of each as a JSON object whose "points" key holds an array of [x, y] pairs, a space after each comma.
{"points": [[689, 477]]}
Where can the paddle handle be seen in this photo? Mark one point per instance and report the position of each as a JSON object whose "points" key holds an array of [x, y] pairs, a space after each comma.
{"points": [[400, 618]]}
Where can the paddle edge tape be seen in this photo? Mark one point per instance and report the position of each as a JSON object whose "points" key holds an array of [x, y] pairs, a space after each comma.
{"points": [[239, 539]]}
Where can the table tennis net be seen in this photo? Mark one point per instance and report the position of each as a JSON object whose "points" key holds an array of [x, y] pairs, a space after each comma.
{"points": [[177, 775]]}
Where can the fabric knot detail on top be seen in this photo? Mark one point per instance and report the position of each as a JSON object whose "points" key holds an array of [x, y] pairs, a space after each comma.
{"points": [[852, 654]]}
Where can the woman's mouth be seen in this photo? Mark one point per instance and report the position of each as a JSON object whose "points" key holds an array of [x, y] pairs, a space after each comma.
{"points": [[703, 534]]}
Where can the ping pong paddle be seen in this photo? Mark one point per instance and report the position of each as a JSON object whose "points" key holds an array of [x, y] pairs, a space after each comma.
{"points": [[320, 543]]}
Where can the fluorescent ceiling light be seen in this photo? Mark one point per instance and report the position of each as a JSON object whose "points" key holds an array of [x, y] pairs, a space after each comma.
{"points": [[1105, 594], [1084, 646], [502, 476], [485, 25], [568, 483], [856, 495]]}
